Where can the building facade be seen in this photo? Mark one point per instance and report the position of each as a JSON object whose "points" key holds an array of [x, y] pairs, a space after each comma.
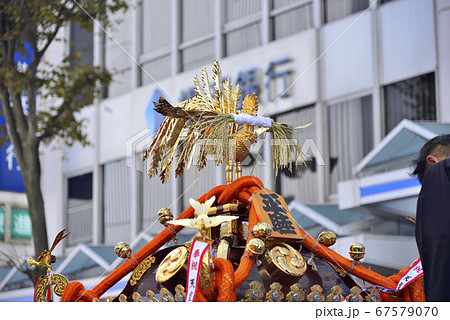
{"points": [[353, 68]]}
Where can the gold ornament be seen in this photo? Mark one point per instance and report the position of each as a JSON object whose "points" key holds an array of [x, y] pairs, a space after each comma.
{"points": [[150, 296], [123, 250], [342, 272], [165, 296], [172, 263], [357, 251], [262, 230], [214, 116], [136, 297], [165, 215], [122, 298], [327, 238], [254, 293], [223, 249], [202, 222], [180, 294], [336, 294], [316, 294], [296, 294], [355, 295], [255, 246], [46, 258], [284, 264], [275, 294], [373, 295], [141, 269]]}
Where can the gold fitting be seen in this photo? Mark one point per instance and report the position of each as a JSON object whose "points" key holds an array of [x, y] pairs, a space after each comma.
{"points": [[327, 238], [122, 250], [357, 251]]}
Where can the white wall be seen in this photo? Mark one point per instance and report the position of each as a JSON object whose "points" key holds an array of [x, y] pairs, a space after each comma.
{"points": [[347, 59], [408, 46]]}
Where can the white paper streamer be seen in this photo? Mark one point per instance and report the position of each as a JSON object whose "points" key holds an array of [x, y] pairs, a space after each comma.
{"points": [[252, 120]]}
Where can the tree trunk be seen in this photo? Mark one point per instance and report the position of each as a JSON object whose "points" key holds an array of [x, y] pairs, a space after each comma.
{"points": [[31, 175]]}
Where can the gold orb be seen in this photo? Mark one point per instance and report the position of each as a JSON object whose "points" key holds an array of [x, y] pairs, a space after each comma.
{"points": [[327, 238], [164, 215], [256, 246], [357, 251], [122, 250], [262, 230]]}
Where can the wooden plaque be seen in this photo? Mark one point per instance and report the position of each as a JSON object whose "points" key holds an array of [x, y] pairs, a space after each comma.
{"points": [[271, 208]]}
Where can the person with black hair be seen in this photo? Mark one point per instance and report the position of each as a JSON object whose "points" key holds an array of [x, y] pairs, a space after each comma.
{"points": [[432, 168]]}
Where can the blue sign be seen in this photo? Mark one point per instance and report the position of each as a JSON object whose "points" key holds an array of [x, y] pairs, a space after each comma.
{"points": [[10, 175]]}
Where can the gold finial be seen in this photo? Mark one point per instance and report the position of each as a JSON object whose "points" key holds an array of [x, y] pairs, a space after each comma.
{"points": [[357, 251], [123, 250], [327, 238], [165, 215], [46, 258], [214, 117], [255, 246], [262, 230]]}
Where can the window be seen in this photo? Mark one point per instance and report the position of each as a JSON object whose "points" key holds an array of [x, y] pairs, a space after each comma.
{"points": [[116, 202], [81, 43], [117, 46], [350, 137], [80, 206], [337, 9], [242, 26], [301, 185], [290, 17], [81, 50], [197, 34], [157, 27], [412, 99]]}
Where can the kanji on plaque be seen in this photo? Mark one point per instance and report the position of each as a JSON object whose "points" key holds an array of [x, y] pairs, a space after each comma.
{"points": [[271, 208]]}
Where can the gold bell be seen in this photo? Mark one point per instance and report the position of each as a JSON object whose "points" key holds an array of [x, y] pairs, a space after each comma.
{"points": [[122, 250], [256, 246], [262, 230], [327, 238], [164, 215], [357, 251]]}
